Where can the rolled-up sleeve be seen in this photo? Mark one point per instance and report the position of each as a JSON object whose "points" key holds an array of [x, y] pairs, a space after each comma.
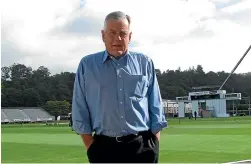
{"points": [[157, 116], [80, 111]]}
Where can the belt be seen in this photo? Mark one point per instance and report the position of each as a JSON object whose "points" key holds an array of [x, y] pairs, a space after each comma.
{"points": [[119, 138]]}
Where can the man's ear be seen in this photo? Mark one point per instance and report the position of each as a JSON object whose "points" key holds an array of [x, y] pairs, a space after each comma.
{"points": [[103, 35], [130, 37]]}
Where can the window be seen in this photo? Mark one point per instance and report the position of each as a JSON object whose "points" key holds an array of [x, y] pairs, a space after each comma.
{"points": [[205, 97]]}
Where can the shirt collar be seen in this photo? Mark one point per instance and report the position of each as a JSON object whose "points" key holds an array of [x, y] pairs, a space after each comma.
{"points": [[106, 55]]}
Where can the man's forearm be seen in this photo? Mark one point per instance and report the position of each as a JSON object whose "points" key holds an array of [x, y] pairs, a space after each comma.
{"points": [[87, 140]]}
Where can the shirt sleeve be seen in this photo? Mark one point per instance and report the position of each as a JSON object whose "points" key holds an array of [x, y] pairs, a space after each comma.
{"points": [[80, 112], [157, 116]]}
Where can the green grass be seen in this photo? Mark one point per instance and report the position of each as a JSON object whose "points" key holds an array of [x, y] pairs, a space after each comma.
{"points": [[185, 141]]}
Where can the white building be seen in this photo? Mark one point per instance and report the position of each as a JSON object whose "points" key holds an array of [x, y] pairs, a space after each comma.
{"points": [[172, 107], [206, 103]]}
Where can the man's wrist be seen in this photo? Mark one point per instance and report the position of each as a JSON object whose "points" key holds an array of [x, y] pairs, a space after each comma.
{"points": [[89, 144], [87, 140], [157, 134]]}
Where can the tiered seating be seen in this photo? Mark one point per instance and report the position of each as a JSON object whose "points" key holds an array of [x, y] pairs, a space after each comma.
{"points": [[15, 115], [25, 115], [4, 118], [38, 114]]}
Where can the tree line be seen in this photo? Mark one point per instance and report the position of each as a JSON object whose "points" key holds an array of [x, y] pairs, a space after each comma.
{"points": [[23, 86]]}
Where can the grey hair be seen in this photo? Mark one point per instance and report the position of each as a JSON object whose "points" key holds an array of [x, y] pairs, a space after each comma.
{"points": [[117, 15]]}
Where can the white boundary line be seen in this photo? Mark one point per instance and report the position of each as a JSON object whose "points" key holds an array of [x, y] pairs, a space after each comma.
{"points": [[244, 161]]}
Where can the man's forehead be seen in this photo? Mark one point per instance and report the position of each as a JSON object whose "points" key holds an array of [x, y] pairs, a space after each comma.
{"points": [[118, 30], [117, 22]]}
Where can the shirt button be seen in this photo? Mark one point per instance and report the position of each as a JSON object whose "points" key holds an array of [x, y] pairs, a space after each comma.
{"points": [[121, 102], [120, 89], [122, 117], [119, 76]]}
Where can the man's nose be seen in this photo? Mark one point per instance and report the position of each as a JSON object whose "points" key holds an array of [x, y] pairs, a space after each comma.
{"points": [[118, 37]]}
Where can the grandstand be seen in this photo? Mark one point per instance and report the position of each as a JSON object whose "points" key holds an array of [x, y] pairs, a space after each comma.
{"points": [[17, 115], [4, 117], [38, 114]]}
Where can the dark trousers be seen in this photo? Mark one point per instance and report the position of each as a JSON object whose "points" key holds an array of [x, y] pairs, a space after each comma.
{"points": [[143, 148]]}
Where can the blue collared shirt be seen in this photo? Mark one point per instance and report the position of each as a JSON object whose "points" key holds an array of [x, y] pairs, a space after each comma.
{"points": [[116, 97]]}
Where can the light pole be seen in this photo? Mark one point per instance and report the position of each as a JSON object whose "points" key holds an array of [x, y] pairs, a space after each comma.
{"points": [[235, 67]]}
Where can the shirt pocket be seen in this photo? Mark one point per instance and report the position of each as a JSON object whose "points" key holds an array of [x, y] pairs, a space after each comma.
{"points": [[137, 85]]}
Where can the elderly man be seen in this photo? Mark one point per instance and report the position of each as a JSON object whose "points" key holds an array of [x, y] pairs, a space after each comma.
{"points": [[116, 106]]}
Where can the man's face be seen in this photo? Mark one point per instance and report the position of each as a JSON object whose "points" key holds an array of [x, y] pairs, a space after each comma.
{"points": [[116, 36]]}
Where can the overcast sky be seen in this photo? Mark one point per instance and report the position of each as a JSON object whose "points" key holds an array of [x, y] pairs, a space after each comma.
{"points": [[174, 33]]}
